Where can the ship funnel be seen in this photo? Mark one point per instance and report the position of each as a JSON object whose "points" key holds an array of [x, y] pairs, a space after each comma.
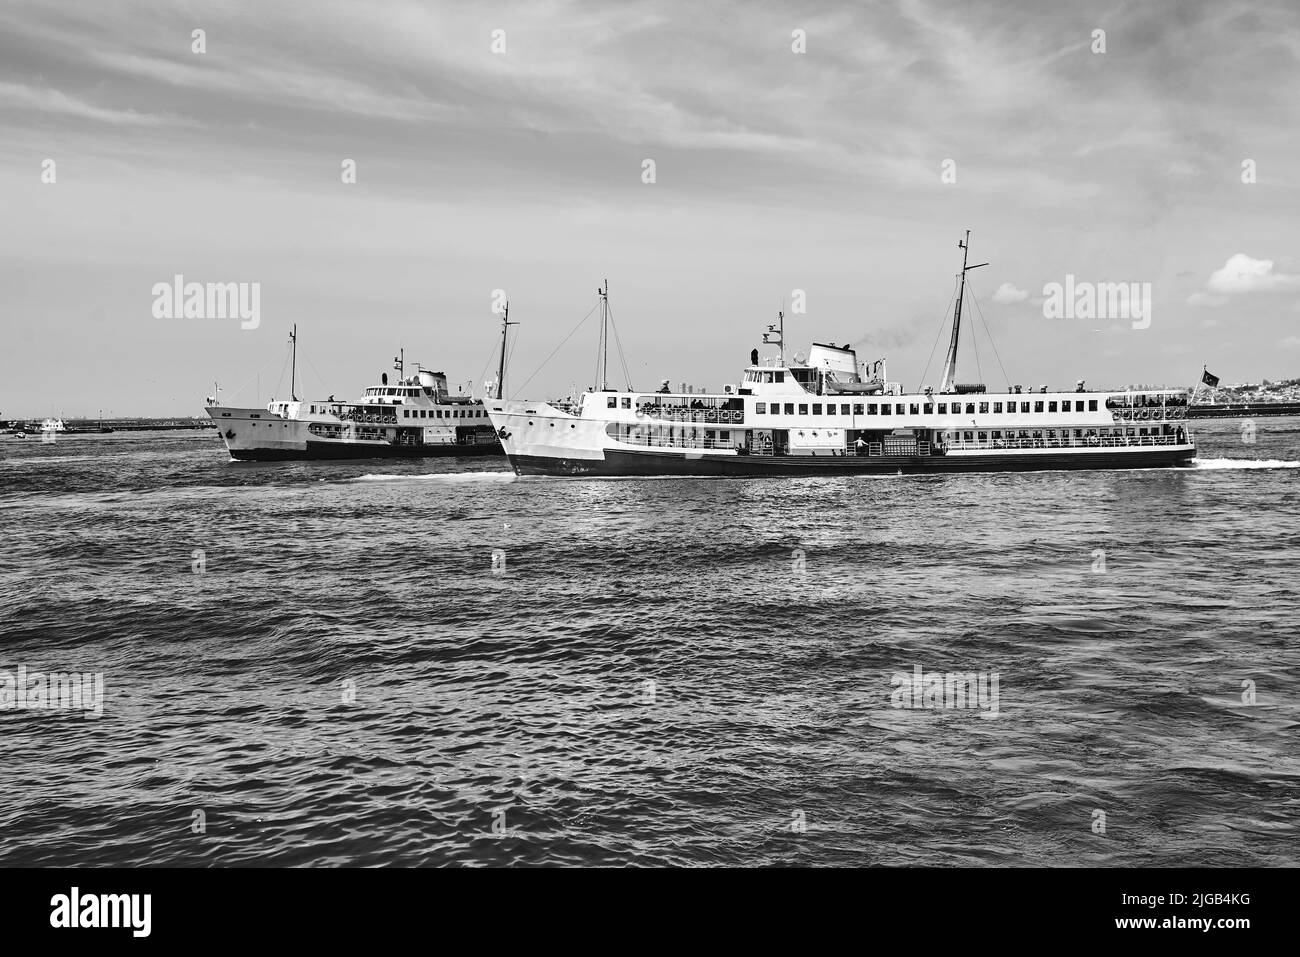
{"points": [[434, 382]]}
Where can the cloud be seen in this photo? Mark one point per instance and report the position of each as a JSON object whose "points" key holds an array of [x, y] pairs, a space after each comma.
{"points": [[46, 100], [1007, 293], [1290, 342], [1243, 274], [1205, 299]]}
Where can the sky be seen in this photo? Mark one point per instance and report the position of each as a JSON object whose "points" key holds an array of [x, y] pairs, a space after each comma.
{"points": [[822, 158]]}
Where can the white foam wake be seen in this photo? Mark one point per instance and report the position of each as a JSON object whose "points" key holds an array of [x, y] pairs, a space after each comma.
{"points": [[1211, 464], [441, 477]]}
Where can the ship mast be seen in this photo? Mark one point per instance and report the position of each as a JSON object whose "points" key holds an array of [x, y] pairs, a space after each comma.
{"points": [[777, 329], [399, 362], [293, 365], [604, 336], [501, 369], [950, 364]]}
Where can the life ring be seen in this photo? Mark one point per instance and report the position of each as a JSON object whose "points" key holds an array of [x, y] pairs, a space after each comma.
{"points": [[1143, 415]]}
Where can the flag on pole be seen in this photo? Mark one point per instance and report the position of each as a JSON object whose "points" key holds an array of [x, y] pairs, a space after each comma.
{"points": [[1209, 378]]}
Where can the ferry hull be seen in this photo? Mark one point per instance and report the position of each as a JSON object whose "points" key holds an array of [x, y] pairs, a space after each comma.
{"points": [[256, 435], [345, 450], [638, 463]]}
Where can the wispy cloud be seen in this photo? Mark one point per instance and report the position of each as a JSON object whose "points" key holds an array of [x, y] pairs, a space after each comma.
{"points": [[1007, 294], [45, 101]]}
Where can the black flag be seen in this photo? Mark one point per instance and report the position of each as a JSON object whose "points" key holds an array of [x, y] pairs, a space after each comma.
{"points": [[1209, 378]]}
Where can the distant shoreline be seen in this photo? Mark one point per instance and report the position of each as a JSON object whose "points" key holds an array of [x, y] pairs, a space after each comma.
{"points": [[129, 424]]}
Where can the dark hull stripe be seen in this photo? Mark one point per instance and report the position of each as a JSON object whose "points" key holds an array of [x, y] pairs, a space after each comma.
{"points": [[347, 450], [1242, 411], [658, 463]]}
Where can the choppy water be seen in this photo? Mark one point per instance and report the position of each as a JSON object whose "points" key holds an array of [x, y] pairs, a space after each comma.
{"points": [[769, 615]]}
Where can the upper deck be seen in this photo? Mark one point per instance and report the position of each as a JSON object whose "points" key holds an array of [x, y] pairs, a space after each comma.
{"points": [[775, 405]]}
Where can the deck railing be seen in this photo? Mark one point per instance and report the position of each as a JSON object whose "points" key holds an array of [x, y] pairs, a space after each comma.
{"points": [[1095, 441]]}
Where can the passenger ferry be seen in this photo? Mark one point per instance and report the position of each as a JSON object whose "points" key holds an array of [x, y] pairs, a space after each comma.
{"points": [[828, 414], [414, 416]]}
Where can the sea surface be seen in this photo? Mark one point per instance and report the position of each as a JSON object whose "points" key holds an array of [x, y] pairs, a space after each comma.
{"points": [[318, 664]]}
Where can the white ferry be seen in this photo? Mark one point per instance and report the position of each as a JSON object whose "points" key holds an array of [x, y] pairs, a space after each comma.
{"points": [[413, 416], [53, 424], [829, 414]]}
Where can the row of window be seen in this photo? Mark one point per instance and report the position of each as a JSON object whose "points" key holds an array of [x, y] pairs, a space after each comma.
{"points": [[428, 413], [767, 377], [927, 408], [1049, 434], [451, 414]]}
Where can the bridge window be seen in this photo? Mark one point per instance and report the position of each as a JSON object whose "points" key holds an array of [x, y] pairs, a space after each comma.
{"points": [[968, 436], [984, 436], [872, 408], [1024, 406], [899, 407], [844, 408], [1092, 405], [1051, 407], [611, 402], [1038, 407], [970, 408], [627, 402], [885, 408], [817, 408], [803, 408], [761, 407], [943, 408], [789, 408], [1078, 406], [780, 376], [997, 407], [984, 407], [857, 408], [915, 409]]}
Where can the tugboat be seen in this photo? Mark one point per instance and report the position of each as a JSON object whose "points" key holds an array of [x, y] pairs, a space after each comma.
{"points": [[414, 416], [829, 415]]}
